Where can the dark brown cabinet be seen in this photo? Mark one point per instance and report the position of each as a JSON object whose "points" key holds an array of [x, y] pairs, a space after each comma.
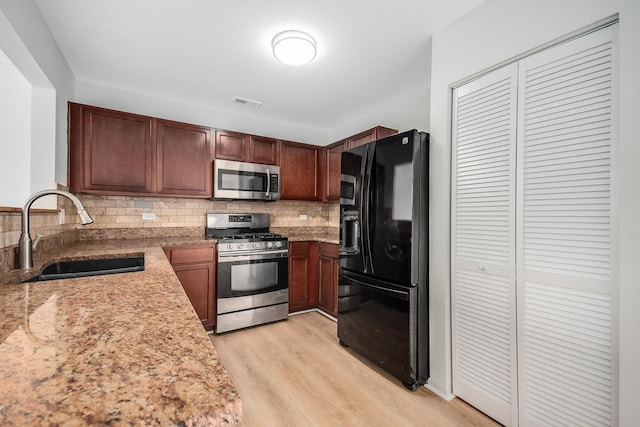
{"points": [[369, 135], [333, 157], [302, 276], [263, 150], [231, 145], [113, 152], [328, 278], [109, 151], [332, 171], [183, 159], [196, 269], [246, 148], [299, 170]]}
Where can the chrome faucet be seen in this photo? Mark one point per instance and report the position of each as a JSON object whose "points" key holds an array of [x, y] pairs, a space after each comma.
{"points": [[25, 245]]}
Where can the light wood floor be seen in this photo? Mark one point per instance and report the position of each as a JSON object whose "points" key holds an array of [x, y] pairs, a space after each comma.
{"points": [[295, 373]]}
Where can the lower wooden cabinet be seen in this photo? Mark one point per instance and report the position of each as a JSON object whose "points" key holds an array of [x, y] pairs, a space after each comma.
{"points": [[302, 276], [328, 278], [195, 267], [313, 276]]}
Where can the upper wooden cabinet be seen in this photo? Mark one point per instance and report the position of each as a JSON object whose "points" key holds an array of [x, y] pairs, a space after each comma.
{"points": [[231, 145], [113, 152], [299, 171], [246, 148], [368, 136], [183, 159], [110, 151], [333, 155], [263, 150]]}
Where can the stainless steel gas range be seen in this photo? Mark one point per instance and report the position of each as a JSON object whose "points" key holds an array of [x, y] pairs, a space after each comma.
{"points": [[252, 271]]}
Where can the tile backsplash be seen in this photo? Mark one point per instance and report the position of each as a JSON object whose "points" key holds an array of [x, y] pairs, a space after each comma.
{"points": [[127, 212]]}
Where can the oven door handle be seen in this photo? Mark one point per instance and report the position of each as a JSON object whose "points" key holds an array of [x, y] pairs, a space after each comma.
{"points": [[268, 183], [258, 255]]}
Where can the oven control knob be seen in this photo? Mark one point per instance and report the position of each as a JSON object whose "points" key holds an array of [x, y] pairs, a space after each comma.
{"points": [[255, 245], [278, 244], [240, 245], [269, 245], [229, 247]]}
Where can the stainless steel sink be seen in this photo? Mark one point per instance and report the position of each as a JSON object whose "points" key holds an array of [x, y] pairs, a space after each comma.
{"points": [[89, 267]]}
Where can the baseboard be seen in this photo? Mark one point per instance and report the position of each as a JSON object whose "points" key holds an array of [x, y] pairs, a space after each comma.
{"points": [[445, 396], [317, 310]]}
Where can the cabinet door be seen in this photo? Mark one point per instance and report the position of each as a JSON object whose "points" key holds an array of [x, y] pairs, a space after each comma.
{"points": [[196, 269], [110, 151], [299, 171], [334, 155], [483, 244], [328, 278], [231, 145], [263, 150], [184, 159], [302, 294], [198, 283], [369, 135]]}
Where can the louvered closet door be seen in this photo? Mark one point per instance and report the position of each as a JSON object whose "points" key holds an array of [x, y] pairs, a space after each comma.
{"points": [[483, 241], [566, 332]]}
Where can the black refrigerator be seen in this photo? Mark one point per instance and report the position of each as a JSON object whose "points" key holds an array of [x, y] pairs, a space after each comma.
{"points": [[382, 283]]}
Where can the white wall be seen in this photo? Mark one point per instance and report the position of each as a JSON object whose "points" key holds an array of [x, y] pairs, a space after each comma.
{"points": [[405, 113], [15, 135], [26, 41], [149, 105], [495, 32]]}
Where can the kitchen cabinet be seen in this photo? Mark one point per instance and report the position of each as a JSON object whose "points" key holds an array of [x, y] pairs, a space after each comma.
{"points": [[369, 135], [333, 156], [328, 278], [195, 267], [299, 171], [183, 160], [113, 152], [110, 151], [302, 276], [242, 147]]}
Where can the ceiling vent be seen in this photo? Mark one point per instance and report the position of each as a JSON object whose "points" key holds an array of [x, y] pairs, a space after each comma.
{"points": [[245, 101]]}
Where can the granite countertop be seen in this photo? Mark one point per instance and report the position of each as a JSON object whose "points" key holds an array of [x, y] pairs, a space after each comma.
{"points": [[123, 349]]}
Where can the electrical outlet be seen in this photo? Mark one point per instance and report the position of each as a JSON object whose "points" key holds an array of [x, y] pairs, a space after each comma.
{"points": [[61, 217], [149, 216], [303, 217]]}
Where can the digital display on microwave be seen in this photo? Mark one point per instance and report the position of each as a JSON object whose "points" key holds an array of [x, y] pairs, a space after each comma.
{"points": [[242, 181]]}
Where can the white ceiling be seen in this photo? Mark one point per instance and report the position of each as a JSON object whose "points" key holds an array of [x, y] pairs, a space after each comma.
{"points": [[205, 52]]}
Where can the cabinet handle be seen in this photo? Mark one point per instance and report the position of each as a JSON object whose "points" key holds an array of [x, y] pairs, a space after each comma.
{"points": [[481, 267]]}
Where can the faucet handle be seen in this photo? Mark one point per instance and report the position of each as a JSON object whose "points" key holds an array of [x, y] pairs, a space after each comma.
{"points": [[36, 240]]}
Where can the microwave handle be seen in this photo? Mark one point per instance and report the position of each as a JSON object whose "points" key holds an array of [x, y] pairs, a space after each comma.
{"points": [[268, 183]]}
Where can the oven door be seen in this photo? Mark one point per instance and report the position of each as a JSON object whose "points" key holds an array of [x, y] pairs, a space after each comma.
{"points": [[251, 276], [248, 181]]}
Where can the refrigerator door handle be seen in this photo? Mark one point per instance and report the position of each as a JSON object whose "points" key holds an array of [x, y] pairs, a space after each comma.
{"points": [[361, 211], [395, 293], [366, 227]]}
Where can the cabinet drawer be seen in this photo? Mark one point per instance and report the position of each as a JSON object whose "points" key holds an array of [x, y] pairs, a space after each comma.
{"points": [[191, 255]]}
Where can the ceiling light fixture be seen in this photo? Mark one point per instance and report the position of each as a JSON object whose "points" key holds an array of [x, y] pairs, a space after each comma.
{"points": [[293, 47]]}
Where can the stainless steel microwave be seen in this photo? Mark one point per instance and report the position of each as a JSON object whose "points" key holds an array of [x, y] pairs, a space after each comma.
{"points": [[245, 181]]}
